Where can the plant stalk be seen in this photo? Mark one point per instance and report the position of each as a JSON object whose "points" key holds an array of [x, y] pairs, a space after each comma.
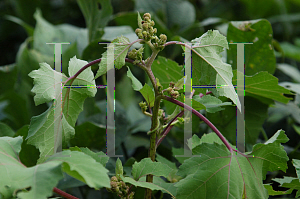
{"points": [[64, 194], [152, 149], [219, 134]]}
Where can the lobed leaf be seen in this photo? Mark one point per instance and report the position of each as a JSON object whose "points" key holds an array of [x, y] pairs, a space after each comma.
{"points": [[143, 184], [146, 166], [83, 167], [15, 177], [41, 131], [218, 173], [211, 103], [166, 71], [265, 85], [120, 52], [208, 68], [259, 56]]}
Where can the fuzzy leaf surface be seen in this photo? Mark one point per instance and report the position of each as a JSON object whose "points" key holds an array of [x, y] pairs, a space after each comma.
{"points": [[148, 94], [166, 70], [136, 84], [146, 166], [15, 176], [221, 174], [211, 103], [208, 67], [120, 52], [83, 167], [41, 131], [265, 85], [144, 184]]}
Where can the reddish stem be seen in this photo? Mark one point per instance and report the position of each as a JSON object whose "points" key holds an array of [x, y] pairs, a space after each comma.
{"points": [[168, 128], [82, 69], [219, 134], [63, 194]]}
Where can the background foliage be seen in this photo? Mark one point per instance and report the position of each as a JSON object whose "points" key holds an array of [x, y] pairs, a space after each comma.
{"points": [[274, 30]]}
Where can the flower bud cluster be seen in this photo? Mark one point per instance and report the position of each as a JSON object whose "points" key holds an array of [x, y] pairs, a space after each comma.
{"points": [[148, 33], [143, 106], [171, 90], [136, 55], [120, 188]]}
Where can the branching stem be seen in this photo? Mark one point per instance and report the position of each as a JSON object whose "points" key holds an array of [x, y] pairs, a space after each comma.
{"points": [[168, 128], [219, 134]]}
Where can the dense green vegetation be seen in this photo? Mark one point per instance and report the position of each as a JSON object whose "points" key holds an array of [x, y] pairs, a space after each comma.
{"points": [[149, 82]]}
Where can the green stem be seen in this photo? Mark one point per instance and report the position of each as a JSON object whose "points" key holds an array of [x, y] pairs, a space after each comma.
{"points": [[152, 78], [151, 46], [152, 149], [151, 59], [168, 128]]}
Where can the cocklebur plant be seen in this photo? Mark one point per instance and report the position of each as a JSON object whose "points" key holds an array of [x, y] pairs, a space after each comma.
{"points": [[218, 169]]}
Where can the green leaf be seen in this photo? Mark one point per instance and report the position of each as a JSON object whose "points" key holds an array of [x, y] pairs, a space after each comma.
{"points": [[211, 103], [296, 164], [148, 185], [166, 71], [167, 186], [5, 130], [283, 110], [8, 77], [123, 88], [145, 90], [289, 182], [41, 131], [272, 192], [209, 138], [99, 157], [255, 115], [217, 167], [179, 84], [208, 67], [83, 167], [112, 32], [290, 50], [46, 32], [259, 56], [95, 19], [146, 166], [289, 70], [291, 86], [119, 169], [29, 29], [15, 177], [139, 19], [172, 175], [120, 52], [264, 85], [148, 94], [28, 154], [136, 84]]}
